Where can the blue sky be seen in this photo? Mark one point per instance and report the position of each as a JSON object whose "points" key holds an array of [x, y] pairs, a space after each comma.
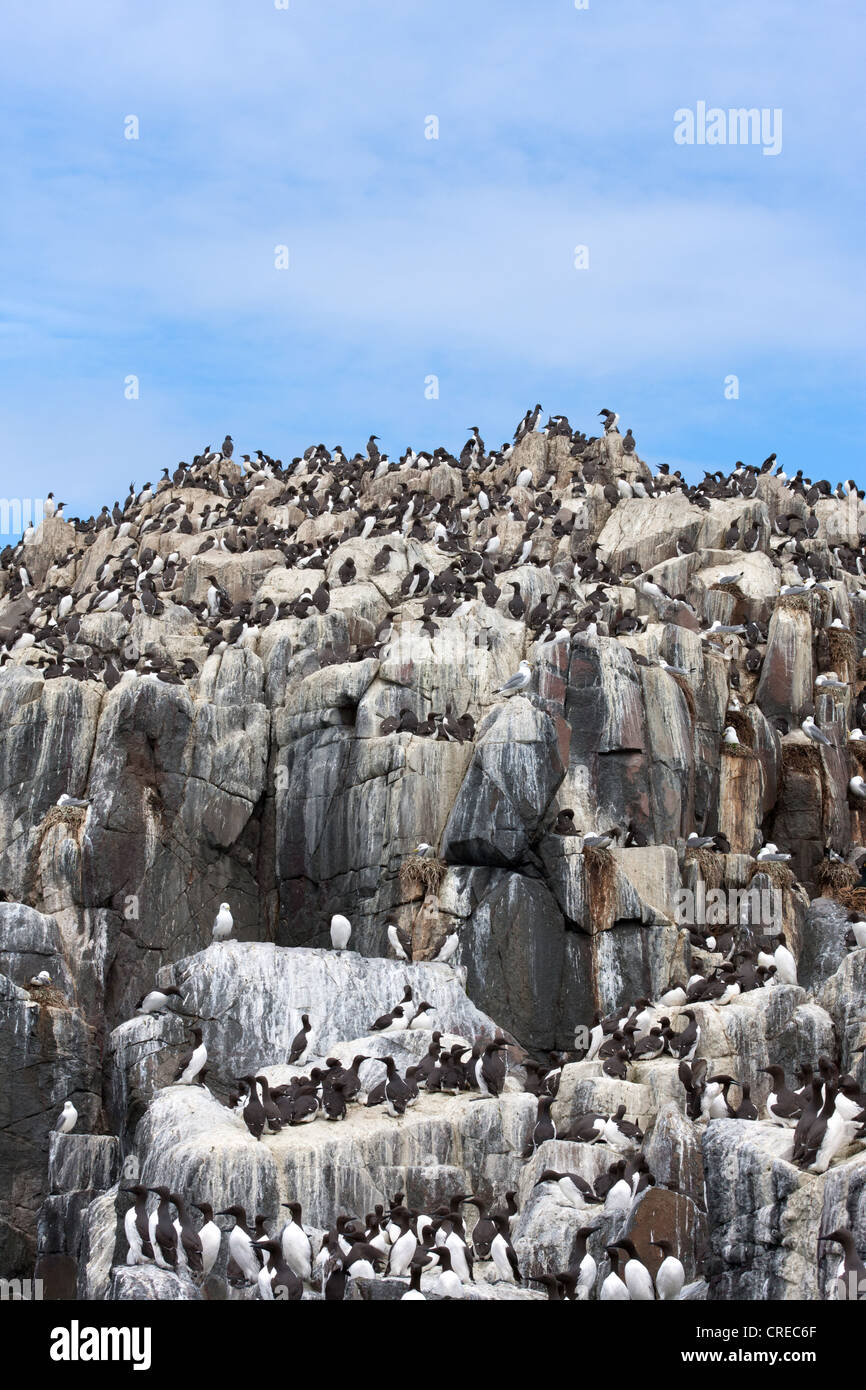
{"points": [[409, 257]]}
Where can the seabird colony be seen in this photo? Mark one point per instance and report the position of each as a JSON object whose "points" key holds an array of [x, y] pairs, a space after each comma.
{"points": [[517, 530]]}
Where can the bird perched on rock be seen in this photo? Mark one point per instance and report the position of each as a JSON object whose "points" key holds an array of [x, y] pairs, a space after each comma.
{"points": [[784, 1107], [341, 930], [157, 1001], [684, 1044], [67, 1120], [448, 947], [545, 1127], [603, 841], [771, 852], [670, 1275], [519, 681], [811, 730], [786, 966], [400, 941], [614, 1288], [299, 1041], [210, 1237], [223, 923], [192, 1062]]}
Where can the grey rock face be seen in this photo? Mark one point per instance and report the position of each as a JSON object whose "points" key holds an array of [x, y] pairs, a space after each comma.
{"points": [[823, 943], [47, 1056], [148, 1284], [442, 1144], [511, 780], [250, 996], [844, 998], [522, 966], [267, 755], [765, 1215]]}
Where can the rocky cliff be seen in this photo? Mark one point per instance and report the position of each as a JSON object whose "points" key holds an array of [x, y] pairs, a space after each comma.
{"points": [[296, 690]]}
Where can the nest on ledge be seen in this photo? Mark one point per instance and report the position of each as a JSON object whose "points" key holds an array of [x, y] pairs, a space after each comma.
{"points": [[736, 750], [596, 857], [49, 996], [599, 868], [779, 874], [710, 864], [795, 603], [833, 878], [420, 874], [63, 815], [853, 898], [688, 694], [843, 649], [741, 726], [733, 589], [800, 757]]}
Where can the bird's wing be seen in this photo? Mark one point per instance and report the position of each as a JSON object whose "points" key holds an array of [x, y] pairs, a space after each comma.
{"points": [[513, 682]]}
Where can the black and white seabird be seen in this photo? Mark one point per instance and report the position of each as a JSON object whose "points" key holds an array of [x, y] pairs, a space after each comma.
{"points": [[192, 1062], [299, 1041]]}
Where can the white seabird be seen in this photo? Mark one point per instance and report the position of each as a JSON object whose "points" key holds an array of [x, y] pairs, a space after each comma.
{"points": [[447, 949], [811, 730], [396, 943], [696, 841], [68, 1118], [519, 681], [600, 841], [773, 854], [341, 930], [157, 1001], [223, 923]]}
